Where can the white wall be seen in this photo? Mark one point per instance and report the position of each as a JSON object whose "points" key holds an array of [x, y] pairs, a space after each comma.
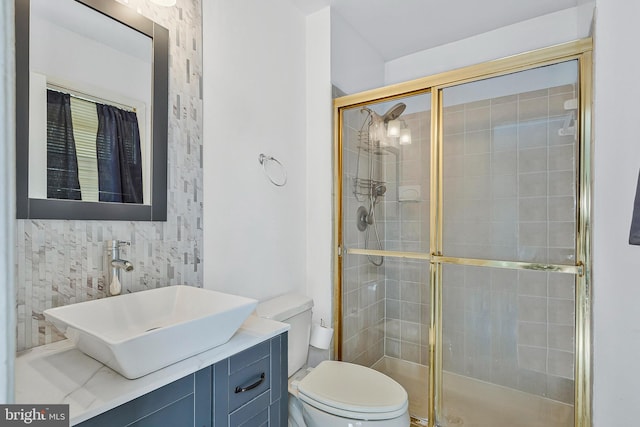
{"points": [[319, 164], [617, 161], [355, 65], [548, 30], [7, 208], [255, 234]]}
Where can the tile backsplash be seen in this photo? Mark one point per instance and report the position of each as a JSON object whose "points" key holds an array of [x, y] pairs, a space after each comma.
{"points": [[63, 262]]}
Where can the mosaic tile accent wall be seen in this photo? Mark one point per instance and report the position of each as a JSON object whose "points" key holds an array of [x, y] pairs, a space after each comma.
{"points": [[63, 262]]}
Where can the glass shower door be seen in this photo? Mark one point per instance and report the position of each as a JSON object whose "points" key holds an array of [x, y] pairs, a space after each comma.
{"points": [[386, 155], [510, 168], [463, 257]]}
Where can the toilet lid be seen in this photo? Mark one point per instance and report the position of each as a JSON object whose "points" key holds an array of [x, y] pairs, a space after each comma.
{"points": [[353, 391]]}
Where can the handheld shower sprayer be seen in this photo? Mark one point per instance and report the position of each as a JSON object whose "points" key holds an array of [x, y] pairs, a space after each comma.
{"points": [[377, 191]]}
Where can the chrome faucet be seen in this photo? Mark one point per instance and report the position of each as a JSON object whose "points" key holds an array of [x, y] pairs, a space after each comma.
{"points": [[117, 265]]}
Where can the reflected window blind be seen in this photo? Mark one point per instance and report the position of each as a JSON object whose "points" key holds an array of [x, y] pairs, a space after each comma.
{"points": [[85, 128]]}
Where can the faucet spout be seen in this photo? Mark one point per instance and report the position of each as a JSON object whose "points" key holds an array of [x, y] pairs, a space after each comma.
{"points": [[122, 264], [117, 265]]}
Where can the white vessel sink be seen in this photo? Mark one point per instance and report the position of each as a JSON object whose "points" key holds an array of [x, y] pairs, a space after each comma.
{"points": [[141, 332]]}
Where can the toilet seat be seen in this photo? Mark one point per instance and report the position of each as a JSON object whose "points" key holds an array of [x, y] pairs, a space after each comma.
{"points": [[353, 391]]}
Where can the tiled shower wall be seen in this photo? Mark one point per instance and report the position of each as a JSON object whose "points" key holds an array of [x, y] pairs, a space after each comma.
{"points": [[407, 229], [386, 308], [63, 262], [509, 194], [363, 284]]}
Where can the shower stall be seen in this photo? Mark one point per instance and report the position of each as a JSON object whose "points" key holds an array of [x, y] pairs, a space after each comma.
{"points": [[463, 239]]}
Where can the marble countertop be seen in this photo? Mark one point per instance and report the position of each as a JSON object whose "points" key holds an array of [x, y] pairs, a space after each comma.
{"points": [[59, 373]]}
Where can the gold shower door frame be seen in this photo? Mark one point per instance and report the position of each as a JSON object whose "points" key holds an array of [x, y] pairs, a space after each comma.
{"points": [[580, 50]]}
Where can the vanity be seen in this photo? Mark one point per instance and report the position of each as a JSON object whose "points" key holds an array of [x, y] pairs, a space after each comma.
{"points": [[241, 382]]}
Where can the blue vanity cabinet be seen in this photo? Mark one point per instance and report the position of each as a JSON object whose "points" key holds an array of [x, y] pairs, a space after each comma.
{"points": [[247, 389], [250, 388], [180, 403]]}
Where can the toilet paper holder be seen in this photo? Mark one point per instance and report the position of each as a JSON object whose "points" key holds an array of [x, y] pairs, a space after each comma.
{"points": [[321, 336]]}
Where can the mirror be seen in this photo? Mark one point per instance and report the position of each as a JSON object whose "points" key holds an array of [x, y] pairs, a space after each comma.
{"points": [[116, 60]]}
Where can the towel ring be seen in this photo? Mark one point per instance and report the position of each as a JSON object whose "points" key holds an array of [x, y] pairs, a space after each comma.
{"points": [[264, 159]]}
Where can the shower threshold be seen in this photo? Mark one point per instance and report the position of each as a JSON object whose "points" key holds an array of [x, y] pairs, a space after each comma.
{"points": [[473, 403]]}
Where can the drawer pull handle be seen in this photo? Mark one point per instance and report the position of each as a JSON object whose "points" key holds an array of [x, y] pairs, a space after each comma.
{"points": [[252, 386]]}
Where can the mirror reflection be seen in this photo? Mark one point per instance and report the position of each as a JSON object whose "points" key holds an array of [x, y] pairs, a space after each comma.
{"points": [[92, 78], [97, 111]]}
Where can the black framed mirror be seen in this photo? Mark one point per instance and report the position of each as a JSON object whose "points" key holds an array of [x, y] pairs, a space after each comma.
{"points": [[33, 204]]}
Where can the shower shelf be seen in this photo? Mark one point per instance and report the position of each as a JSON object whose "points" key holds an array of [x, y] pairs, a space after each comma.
{"points": [[369, 146], [374, 149]]}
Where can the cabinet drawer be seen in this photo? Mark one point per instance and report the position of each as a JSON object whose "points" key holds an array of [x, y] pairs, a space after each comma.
{"points": [[249, 356], [253, 414], [179, 413], [249, 382], [130, 412]]}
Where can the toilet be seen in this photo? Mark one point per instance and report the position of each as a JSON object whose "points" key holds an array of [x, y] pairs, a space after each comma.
{"points": [[333, 394]]}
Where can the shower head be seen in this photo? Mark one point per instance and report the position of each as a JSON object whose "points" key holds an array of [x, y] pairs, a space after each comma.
{"points": [[394, 112]]}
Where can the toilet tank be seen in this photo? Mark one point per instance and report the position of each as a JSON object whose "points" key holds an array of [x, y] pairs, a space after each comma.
{"points": [[295, 310]]}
